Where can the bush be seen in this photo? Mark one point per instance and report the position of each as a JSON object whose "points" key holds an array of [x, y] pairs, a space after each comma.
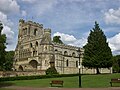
{"points": [[23, 78], [51, 71], [35, 77], [116, 67]]}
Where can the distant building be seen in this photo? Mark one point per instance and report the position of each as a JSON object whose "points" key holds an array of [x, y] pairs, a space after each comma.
{"points": [[35, 51]]}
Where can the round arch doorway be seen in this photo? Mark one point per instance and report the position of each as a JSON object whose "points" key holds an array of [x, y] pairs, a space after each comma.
{"points": [[33, 64]]}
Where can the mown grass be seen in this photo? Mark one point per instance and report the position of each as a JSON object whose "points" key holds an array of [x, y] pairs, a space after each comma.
{"points": [[6, 89], [96, 81], [88, 81]]}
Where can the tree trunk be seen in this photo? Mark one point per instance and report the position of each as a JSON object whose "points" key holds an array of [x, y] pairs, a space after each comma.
{"points": [[98, 72]]}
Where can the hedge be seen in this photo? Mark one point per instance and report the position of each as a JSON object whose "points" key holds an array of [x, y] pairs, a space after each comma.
{"points": [[35, 77]]}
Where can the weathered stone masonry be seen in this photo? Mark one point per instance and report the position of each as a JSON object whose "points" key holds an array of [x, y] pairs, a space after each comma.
{"points": [[35, 51]]}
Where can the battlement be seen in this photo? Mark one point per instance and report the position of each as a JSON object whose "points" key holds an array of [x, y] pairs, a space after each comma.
{"points": [[36, 51], [68, 46], [47, 30], [23, 22]]}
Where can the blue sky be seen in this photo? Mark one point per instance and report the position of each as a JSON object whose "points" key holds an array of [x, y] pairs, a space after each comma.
{"points": [[71, 19]]}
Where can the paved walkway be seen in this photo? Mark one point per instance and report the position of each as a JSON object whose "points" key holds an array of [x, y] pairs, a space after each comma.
{"points": [[55, 88]]}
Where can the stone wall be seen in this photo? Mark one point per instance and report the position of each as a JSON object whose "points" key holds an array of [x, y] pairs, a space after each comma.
{"points": [[36, 51], [67, 58], [20, 73]]}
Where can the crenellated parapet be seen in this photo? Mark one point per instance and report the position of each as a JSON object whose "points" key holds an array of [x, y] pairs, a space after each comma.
{"points": [[67, 50], [47, 30], [29, 31], [21, 21], [65, 46], [35, 51], [24, 23]]}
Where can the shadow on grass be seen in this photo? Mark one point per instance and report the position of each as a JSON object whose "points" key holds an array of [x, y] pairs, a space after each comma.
{"points": [[56, 86], [5, 84]]}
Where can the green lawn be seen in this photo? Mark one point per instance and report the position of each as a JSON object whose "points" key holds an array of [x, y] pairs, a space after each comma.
{"points": [[6, 89], [71, 82]]}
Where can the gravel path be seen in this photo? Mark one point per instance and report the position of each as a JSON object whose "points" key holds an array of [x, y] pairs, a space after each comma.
{"points": [[55, 88]]}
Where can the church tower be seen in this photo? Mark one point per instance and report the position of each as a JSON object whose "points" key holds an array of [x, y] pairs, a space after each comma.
{"points": [[47, 50], [26, 53]]}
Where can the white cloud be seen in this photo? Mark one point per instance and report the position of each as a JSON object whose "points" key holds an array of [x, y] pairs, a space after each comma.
{"points": [[114, 43], [24, 13], [112, 16], [66, 38], [42, 6], [5, 20], [79, 43], [112, 29], [9, 34], [10, 37], [7, 28], [29, 1], [9, 6], [71, 40]]}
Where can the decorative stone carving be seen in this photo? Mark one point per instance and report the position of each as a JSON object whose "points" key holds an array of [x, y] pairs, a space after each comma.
{"points": [[36, 51]]}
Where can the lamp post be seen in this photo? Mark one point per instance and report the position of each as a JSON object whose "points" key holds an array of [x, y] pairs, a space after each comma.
{"points": [[79, 66]]}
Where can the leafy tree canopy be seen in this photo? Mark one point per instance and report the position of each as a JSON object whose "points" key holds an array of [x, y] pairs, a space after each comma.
{"points": [[56, 39], [2, 48], [97, 53], [51, 71], [9, 57], [116, 63]]}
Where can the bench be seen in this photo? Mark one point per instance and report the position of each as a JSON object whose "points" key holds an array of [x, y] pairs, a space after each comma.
{"points": [[56, 83], [115, 80]]}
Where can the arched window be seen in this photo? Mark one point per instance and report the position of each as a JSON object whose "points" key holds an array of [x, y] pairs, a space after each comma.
{"points": [[35, 32], [36, 43], [56, 50], [67, 63], [24, 31], [73, 54], [33, 53], [76, 63], [33, 63], [65, 53], [20, 68], [30, 44], [16, 60]]}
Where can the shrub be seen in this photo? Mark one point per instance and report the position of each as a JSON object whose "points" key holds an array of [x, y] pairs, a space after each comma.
{"points": [[35, 77], [51, 71]]}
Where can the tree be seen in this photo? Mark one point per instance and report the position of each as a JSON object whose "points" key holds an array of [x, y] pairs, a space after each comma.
{"points": [[97, 53], [51, 71], [116, 64], [56, 39], [2, 48], [9, 60]]}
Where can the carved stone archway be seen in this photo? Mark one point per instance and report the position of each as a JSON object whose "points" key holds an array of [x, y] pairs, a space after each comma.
{"points": [[33, 64], [20, 68]]}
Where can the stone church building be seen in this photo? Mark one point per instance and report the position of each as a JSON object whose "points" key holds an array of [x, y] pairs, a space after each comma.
{"points": [[35, 51]]}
